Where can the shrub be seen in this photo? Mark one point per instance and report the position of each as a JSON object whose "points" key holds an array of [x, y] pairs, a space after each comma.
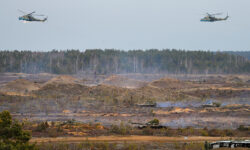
{"points": [[204, 132], [243, 128], [215, 132], [114, 129], [122, 129], [154, 122], [12, 136], [217, 104], [42, 126]]}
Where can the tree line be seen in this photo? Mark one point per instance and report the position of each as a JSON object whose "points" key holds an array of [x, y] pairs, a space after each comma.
{"points": [[110, 61], [245, 54]]}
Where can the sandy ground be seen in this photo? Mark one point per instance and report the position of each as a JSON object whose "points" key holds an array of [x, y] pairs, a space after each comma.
{"points": [[132, 139], [46, 97]]}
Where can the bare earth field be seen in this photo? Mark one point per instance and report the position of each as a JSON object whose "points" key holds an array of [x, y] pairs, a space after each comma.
{"points": [[102, 101], [114, 99]]}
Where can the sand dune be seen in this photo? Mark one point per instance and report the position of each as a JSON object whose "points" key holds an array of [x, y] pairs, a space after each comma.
{"points": [[20, 86]]}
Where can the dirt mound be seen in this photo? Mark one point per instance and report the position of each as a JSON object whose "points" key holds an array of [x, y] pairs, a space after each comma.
{"points": [[109, 91], [70, 87], [59, 90], [164, 89], [214, 79], [20, 86], [61, 86], [234, 79], [124, 82], [169, 83], [63, 80]]}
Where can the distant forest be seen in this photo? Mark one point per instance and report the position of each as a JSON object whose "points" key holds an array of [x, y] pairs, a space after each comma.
{"points": [[245, 54], [116, 61]]}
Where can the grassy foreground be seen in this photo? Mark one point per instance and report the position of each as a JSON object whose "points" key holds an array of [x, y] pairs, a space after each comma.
{"points": [[126, 143], [131, 138]]}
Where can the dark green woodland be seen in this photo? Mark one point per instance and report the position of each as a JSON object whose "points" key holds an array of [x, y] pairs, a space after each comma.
{"points": [[245, 54], [116, 61]]}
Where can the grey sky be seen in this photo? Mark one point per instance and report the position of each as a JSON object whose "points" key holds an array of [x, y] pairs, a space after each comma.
{"points": [[125, 24]]}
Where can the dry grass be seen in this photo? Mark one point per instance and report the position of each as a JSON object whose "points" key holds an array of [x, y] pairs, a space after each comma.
{"points": [[132, 138]]}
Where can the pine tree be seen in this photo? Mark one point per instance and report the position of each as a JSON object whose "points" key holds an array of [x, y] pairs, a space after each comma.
{"points": [[12, 136]]}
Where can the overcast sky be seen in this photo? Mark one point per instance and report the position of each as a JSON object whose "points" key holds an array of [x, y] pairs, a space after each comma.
{"points": [[125, 24]]}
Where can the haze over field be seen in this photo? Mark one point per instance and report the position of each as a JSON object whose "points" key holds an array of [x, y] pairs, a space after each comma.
{"points": [[125, 24]]}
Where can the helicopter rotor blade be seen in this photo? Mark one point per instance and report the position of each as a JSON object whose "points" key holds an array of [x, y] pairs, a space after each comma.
{"points": [[217, 14], [38, 15], [208, 14], [25, 13], [22, 11], [32, 13]]}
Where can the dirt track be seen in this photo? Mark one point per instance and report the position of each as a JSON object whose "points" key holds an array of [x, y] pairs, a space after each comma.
{"points": [[131, 139]]}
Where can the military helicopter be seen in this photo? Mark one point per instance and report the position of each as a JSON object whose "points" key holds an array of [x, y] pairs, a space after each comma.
{"points": [[212, 18], [30, 17]]}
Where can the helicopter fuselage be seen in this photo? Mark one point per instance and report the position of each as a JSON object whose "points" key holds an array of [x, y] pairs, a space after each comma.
{"points": [[31, 18], [212, 19]]}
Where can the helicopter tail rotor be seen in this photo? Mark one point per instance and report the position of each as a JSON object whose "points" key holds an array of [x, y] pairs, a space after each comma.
{"points": [[45, 19], [226, 17]]}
